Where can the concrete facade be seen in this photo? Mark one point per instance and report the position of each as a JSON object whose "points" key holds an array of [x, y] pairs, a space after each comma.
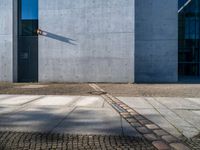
{"points": [[86, 41], [6, 38], [156, 52], [98, 41]]}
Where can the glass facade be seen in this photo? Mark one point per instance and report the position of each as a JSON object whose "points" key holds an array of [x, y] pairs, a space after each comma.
{"points": [[189, 38]]}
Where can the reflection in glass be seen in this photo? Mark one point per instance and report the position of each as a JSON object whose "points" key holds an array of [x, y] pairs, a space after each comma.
{"points": [[27, 41], [189, 40], [29, 9], [28, 21]]}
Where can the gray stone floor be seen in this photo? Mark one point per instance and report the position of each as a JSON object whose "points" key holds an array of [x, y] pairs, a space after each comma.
{"points": [[178, 116], [61, 114], [91, 118], [64, 122]]}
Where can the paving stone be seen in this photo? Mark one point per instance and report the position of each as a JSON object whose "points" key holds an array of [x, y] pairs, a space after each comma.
{"points": [[161, 145], [160, 132], [190, 132], [169, 138], [175, 115], [122, 105], [181, 124], [144, 121], [135, 124], [155, 117], [72, 142], [190, 116], [139, 117], [150, 137], [135, 102], [179, 146], [131, 120], [155, 103], [134, 114], [55, 100], [151, 126], [177, 103], [18, 100], [91, 101], [126, 115], [143, 130], [130, 110], [193, 143]]}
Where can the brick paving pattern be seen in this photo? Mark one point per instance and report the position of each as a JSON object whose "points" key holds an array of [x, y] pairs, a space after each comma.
{"points": [[153, 135], [161, 139], [42, 141]]}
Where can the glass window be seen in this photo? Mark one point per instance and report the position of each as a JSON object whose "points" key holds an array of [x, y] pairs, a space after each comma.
{"points": [[189, 42], [181, 3], [29, 27], [28, 21], [29, 9]]}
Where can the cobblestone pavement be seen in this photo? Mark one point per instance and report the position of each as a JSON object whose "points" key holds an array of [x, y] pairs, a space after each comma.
{"points": [[42, 141], [153, 136], [193, 143], [75, 122], [160, 138]]}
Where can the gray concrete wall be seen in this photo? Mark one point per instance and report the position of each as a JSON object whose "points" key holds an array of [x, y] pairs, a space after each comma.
{"points": [[6, 48], [86, 41], [156, 52]]}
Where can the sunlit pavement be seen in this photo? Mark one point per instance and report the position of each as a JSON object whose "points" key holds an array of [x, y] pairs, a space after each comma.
{"points": [[61, 114], [64, 122], [68, 116], [178, 116]]}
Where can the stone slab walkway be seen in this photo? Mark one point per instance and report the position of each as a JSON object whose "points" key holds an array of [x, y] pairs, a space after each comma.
{"points": [[64, 122], [125, 122], [158, 136], [178, 116], [61, 114]]}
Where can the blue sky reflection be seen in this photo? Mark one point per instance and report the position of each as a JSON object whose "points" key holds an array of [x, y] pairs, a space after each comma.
{"points": [[29, 9]]}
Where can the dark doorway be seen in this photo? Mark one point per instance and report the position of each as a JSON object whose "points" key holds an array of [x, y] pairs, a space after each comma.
{"points": [[28, 41]]}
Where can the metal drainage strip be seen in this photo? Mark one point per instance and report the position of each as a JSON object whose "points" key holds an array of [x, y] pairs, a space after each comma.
{"points": [[118, 108]]}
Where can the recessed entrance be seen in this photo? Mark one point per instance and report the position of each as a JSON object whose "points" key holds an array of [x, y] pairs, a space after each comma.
{"points": [[27, 41]]}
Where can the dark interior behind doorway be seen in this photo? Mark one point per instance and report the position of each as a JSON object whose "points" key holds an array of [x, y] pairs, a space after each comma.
{"points": [[27, 41]]}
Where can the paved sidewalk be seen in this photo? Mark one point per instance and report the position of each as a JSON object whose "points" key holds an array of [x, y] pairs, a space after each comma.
{"points": [[61, 114], [64, 122], [38, 120], [158, 136], [178, 116]]}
